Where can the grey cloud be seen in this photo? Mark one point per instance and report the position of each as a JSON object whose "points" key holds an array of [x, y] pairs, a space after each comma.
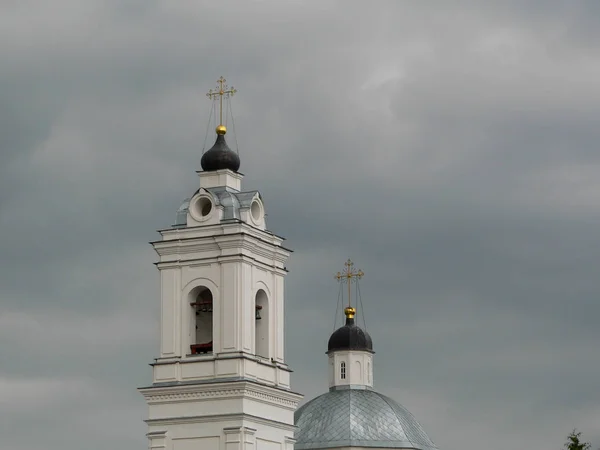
{"points": [[449, 149]]}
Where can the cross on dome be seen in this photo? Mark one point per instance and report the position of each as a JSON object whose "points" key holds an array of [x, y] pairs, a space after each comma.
{"points": [[349, 275]]}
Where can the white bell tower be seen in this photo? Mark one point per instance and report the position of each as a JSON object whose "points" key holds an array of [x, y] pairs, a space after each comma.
{"points": [[220, 381]]}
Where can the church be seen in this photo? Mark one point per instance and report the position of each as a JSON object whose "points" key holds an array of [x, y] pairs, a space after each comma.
{"points": [[220, 380]]}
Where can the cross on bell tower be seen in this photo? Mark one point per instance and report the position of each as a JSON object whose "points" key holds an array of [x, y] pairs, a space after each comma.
{"points": [[222, 91]]}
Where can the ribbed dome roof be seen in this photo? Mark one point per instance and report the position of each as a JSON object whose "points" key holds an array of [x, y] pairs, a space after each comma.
{"points": [[350, 337], [220, 156], [359, 418]]}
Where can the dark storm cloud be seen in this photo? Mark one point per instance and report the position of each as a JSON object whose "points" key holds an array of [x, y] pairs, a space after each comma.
{"points": [[450, 150]]}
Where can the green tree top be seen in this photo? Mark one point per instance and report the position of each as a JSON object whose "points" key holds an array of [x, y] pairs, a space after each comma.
{"points": [[574, 442]]}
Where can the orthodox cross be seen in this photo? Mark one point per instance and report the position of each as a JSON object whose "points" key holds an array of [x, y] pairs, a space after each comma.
{"points": [[222, 90], [348, 275]]}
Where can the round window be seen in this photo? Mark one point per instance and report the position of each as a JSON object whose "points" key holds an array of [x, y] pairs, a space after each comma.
{"points": [[256, 210], [202, 207]]}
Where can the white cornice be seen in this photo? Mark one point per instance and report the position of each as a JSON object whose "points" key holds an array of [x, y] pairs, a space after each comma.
{"points": [[219, 418], [268, 265], [238, 389], [219, 229], [222, 356], [223, 245]]}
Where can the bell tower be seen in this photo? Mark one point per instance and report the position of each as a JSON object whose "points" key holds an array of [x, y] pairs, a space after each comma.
{"points": [[220, 381]]}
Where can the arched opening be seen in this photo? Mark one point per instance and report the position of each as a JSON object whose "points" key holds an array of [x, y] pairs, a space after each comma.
{"points": [[261, 319], [202, 318], [359, 373], [343, 370], [368, 372]]}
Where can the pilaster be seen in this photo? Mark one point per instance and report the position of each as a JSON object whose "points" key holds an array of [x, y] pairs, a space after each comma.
{"points": [[157, 440], [239, 438]]}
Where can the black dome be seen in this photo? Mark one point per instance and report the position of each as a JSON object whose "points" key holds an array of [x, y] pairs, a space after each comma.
{"points": [[350, 337], [219, 157]]}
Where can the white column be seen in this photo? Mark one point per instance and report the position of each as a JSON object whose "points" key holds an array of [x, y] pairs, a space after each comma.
{"points": [[278, 317], [168, 328]]}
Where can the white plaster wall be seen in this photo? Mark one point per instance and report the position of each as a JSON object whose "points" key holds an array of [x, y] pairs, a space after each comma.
{"points": [[221, 178], [195, 443], [359, 368], [233, 434]]}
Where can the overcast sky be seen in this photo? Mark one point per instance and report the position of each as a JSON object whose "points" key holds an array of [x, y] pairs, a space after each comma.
{"points": [[450, 148]]}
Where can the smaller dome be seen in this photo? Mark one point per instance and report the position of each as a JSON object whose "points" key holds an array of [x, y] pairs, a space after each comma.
{"points": [[220, 157], [357, 418], [350, 337]]}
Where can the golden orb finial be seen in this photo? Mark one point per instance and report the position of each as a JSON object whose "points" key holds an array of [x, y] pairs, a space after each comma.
{"points": [[350, 312], [221, 129]]}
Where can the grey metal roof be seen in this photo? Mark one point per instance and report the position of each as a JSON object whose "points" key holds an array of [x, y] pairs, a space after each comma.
{"points": [[231, 200], [357, 417], [182, 213]]}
